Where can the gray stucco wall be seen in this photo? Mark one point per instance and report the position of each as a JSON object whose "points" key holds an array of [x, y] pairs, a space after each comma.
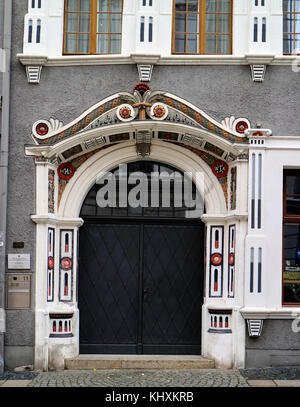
{"points": [[278, 345], [65, 92]]}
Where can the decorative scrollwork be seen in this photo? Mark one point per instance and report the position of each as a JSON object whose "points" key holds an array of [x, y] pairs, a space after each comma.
{"points": [[238, 125], [43, 128]]}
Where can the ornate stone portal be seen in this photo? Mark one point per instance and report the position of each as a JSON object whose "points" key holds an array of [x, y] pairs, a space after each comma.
{"points": [[122, 128]]}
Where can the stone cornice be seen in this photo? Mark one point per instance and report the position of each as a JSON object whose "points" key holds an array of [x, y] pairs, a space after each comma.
{"points": [[154, 59]]}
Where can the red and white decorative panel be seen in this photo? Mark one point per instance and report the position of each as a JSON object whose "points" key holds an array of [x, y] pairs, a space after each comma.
{"points": [[220, 321], [50, 264], [231, 260], [66, 265], [61, 325], [216, 261]]}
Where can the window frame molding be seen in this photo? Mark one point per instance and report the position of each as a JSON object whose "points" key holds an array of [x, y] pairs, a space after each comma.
{"points": [[201, 31], [293, 34], [287, 219], [93, 31]]}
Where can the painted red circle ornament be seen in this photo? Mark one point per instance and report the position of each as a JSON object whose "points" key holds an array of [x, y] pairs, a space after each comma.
{"points": [[50, 262], [219, 168], [231, 259], [241, 127], [66, 263], [66, 171], [216, 259], [42, 129]]}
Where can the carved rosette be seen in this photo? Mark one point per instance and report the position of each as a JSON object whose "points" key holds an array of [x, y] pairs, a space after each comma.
{"points": [[158, 111], [126, 113]]}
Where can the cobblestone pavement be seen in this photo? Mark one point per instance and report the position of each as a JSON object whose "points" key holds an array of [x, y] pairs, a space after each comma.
{"points": [[271, 373], [141, 378], [268, 377]]}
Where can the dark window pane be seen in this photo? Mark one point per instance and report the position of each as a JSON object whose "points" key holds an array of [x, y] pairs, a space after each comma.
{"points": [[70, 43], [83, 43], [150, 31], [223, 44], [224, 23], [211, 23], [192, 43], [115, 23], [180, 5], [71, 22], [84, 5], [224, 6], [291, 273], [211, 44], [103, 5], [115, 5], [288, 5], [288, 44], [293, 205], [292, 184], [180, 22], [71, 5], [115, 43], [30, 31], [288, 23], [211, 6], [291, 293], [102, 43], [193, 23], [103, 23], [263, 35], [193, 5], [142, 29], [179, 43], [84, 23]]}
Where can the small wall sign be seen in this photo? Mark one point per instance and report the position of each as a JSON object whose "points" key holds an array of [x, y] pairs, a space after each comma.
{"points": [[18, 261], [18, 245]]}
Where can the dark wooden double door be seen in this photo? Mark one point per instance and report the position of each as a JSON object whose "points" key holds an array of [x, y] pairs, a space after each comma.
{"points": [[141, 287]]}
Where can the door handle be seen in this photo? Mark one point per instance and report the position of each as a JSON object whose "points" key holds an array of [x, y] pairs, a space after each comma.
{"points": [[145, 293]]}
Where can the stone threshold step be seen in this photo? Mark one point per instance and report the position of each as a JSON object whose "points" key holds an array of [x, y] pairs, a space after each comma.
{"points": [[90, 362]]}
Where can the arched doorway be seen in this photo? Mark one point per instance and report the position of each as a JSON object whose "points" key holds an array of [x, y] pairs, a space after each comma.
{"points": [[141, 271]]}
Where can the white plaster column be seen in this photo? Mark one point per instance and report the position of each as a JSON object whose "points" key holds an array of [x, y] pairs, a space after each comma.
{"points": [[256, 241]]}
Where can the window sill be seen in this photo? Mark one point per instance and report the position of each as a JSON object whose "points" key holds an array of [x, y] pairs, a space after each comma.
{"points": [[286, 312]]}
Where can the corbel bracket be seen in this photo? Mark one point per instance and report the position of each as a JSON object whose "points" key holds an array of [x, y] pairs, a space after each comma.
{"points": [[143, 143]]}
